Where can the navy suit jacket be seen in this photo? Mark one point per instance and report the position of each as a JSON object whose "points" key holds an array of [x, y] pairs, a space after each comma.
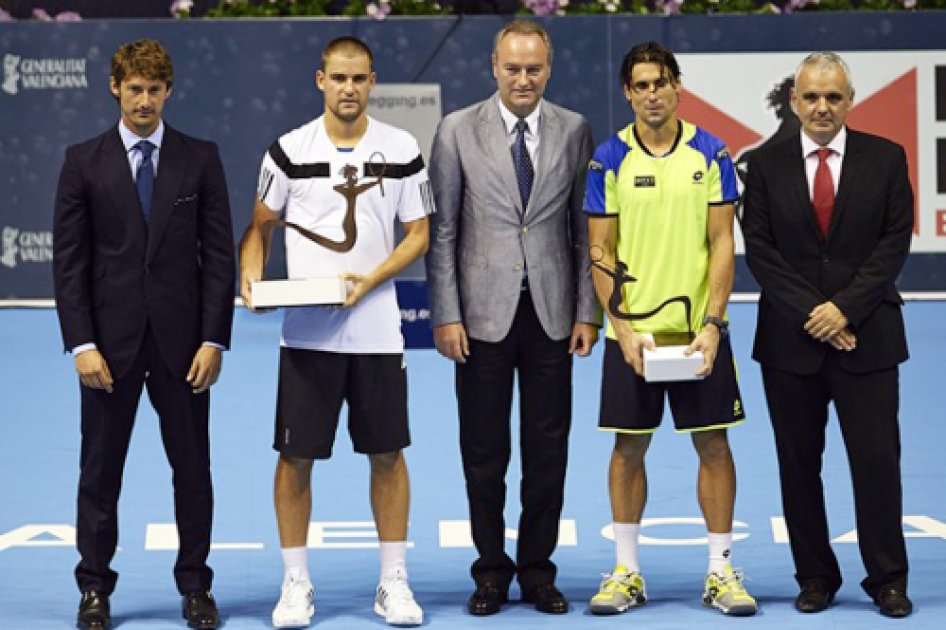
{"points": [[855, 266], [114, 275]]}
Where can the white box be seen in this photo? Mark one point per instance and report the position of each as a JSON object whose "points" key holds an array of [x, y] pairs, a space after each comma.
{"points": [[668, 363], [299, 292]]}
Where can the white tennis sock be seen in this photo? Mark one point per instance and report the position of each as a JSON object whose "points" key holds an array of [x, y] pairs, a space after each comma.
{"points": [[393, 558], [296, 562], [720, 550], [625, 542]]}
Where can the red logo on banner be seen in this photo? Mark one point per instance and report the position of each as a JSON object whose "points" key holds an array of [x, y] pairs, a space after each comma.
{"points": [[736, 135], [890, 112]]}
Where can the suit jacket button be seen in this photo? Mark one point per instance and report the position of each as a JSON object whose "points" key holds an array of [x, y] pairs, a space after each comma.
{"points": [[525, 229], [518, 267], [146, 270]]}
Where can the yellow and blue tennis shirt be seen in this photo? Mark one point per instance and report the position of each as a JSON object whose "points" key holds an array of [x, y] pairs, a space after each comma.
{"points": [[662, 206]]}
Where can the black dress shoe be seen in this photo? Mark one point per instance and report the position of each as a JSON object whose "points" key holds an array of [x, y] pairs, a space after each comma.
{"points": [[815, 596], [487, 599], [893, 602], [94, 613], [200, 611], [546, 598]]}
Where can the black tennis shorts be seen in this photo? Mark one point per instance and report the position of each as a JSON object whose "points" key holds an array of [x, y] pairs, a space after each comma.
{"points": [[314, 384], [629, 404]]}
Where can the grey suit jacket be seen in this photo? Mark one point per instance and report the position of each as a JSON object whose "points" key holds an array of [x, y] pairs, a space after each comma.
{"points": [[481, 239]]}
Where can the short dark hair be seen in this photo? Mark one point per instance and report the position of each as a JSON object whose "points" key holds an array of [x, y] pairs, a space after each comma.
{"points": [[346, 43], [649, 52], [144, 57]]}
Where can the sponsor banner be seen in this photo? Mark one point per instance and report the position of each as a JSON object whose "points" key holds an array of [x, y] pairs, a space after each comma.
{"points": [[415, 107], [415, 314], [897, 95], [26, 254], [24, 74], [19, 247]]}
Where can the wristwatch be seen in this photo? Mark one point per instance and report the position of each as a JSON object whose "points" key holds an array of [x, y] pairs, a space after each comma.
{"points": [[719, 322]]}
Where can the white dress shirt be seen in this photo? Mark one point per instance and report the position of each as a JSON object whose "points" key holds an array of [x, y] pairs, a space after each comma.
{"points": [[130, 139], [809, 148], [532, 135]]}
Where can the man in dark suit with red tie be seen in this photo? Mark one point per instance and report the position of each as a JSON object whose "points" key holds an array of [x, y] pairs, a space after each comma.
{"points": [[828, 218], [144, 280]]}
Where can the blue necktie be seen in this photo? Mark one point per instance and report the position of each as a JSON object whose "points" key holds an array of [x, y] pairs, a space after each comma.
{"points": [[520, 157], [144, 178]]}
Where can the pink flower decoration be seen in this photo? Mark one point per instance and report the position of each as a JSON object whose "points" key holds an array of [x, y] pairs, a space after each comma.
{"points": [[672, 7], [542, 7], [378, 11], [794, 5], [181, 8]]}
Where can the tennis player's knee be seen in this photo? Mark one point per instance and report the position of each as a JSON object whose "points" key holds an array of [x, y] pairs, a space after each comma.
{"points": [[385, 463], [712, 446], [631, 447]]}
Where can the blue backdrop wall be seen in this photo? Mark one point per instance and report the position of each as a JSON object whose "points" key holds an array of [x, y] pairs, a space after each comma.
{"points": [[243, 83]]}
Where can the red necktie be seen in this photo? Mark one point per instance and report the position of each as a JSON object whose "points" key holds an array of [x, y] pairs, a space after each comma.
{"points": [[823, 198]]}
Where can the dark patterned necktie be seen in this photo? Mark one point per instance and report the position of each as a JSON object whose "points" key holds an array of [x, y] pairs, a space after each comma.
{"points": [[144, 178], [520, 157], [823, 198]]}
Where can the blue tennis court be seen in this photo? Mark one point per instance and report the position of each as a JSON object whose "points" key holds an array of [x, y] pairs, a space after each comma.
{"points": [[39, 442]]}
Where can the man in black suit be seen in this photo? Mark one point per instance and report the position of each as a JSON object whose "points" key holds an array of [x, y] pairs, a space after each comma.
{"points": [[830, 326], [144, 277]]}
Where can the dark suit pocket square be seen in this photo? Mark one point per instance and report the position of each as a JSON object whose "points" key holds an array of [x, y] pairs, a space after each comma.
{"points": [[182, 200]]}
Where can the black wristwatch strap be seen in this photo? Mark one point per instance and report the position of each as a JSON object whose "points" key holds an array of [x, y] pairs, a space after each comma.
{"points": [[719, 322]]}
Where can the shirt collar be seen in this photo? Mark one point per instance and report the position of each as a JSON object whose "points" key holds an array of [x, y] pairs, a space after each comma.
{"points": [[510, 119], [809, 146], [130, 138]]}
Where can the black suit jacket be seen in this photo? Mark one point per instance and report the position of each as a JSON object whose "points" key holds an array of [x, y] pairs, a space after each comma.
{"points": [[855, 266], [114, 275]]}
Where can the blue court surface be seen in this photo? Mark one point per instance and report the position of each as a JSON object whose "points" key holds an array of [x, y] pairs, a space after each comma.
{"points": [[39, 444]]}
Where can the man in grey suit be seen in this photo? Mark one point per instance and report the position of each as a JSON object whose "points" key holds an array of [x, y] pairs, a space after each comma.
{"points": [[510, 291]]}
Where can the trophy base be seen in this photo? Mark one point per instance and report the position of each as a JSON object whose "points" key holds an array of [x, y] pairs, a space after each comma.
{"points": [[299, 292], [667, 363]]}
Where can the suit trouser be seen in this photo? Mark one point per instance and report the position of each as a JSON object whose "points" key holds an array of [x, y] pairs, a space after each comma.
{"points": [[484, 392], [867, 406], [107, 422]]}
